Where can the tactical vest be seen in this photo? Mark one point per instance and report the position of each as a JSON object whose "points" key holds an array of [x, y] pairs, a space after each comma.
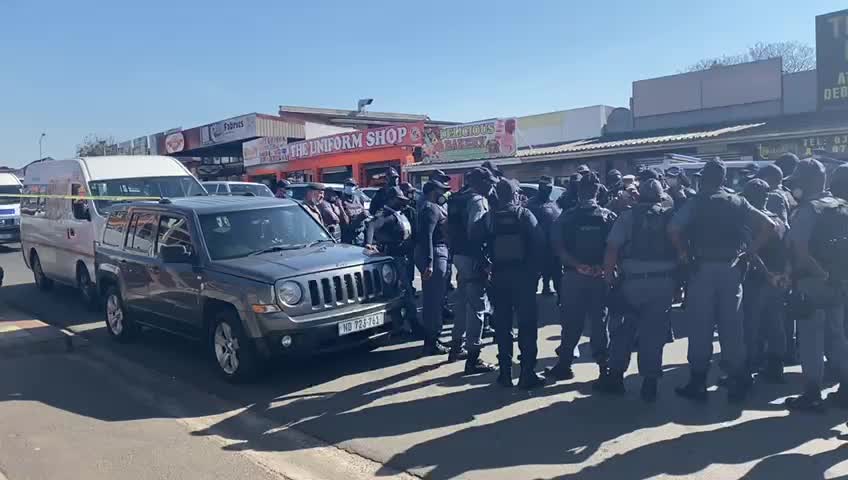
{"points": [[717, 231], [457, 223], [396, 230], [508, 246], [586, 234], [774, 253], [829, 239], [649, 239]]}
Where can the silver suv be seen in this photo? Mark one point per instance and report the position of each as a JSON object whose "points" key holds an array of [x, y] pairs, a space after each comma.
{"points": [[253, 278]]}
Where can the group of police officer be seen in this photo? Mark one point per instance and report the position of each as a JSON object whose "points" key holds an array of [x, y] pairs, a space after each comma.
{"points": [[618, 255]]}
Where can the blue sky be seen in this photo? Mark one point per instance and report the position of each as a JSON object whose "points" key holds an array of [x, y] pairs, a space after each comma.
{"points": [[126, 69]]}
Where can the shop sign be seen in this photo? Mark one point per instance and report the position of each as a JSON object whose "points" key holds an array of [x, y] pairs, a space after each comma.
{"points": [[834, 145], [264, 150], [139, 146], [471, 141], [832, 59], [408, 135], [174, 143], [230, 130]]}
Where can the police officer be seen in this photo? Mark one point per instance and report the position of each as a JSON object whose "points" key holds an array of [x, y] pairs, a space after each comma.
{"points": [[312, 199], [568, 199], [282, 188], [381, 196], [332, 213], [390, 232], [678, 186], [431, 258], [466, 228], [765, 291], [515, 242], [579, 239], [818, 240], [353, 231], [711, 227], [778, 201], [640, 248], [546, 212]]}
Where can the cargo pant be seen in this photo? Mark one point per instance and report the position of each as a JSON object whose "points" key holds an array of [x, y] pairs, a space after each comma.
{"points": [[764, 323], [650, 301], [823, 334], [471, 304], [715, 298], [433, 291], [583, 297], [403, 266], [514, 293]]}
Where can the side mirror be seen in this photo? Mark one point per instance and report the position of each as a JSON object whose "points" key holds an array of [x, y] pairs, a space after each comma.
{"points": [[80, 211], [175, 254]]}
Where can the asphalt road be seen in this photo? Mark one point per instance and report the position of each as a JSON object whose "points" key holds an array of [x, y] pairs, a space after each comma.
{"points": [[423, 416]]}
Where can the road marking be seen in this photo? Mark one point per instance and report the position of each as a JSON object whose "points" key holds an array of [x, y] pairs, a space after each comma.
{"points": [[86, 327]]}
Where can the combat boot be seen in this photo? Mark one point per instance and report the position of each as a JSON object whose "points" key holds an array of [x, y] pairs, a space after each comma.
{"points": [[772, 372], [696, 389], [611, 383], [473, 364], [810, 401], [529, 379], [433, 347], [648, 393], [505, 374], [560, 371], [456, 354]]}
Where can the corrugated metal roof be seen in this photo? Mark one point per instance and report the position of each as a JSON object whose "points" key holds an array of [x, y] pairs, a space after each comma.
{"points": [[276, 127]]}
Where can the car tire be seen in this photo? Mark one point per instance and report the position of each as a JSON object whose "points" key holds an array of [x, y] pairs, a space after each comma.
{"points": [[119, 324], [87, 288], [41, 281], [232, 353]]}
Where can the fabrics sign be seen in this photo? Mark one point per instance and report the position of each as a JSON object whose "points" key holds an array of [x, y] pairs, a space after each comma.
{"points": [[408, 135], [471, 141], [264, 150], [230, 130]]}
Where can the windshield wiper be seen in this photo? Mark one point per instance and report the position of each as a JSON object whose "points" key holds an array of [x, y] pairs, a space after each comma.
{"points": [[316, 242], [274, 248]]}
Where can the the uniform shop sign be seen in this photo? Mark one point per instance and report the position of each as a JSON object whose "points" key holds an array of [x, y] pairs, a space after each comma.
{"points": [[409, 135]]}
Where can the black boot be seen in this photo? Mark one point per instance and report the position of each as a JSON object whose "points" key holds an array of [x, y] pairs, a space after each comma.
{"points": [[610, 382], [456, 354], [560, 371], [433, 347], [810, 402], [505, 375], [649, 390], [529, 379], [738, 388], [696, 389], [772, 372], [473, 364]]}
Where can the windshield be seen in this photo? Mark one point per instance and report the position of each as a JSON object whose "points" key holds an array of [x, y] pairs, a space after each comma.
{"points": [[241, 233], [10, 190], [153, 187], [256, 189]]}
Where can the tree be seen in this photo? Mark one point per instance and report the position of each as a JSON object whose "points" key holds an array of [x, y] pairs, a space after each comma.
{"points": [[797, 57], [94, 145]]}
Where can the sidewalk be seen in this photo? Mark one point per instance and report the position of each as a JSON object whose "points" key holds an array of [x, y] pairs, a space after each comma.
{"points": [[20, 334]]}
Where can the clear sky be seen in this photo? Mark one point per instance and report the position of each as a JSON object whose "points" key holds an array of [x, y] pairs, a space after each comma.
{"points": [[129, 68]]}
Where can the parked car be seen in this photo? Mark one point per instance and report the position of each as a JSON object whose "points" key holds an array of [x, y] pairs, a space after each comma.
{"points": [[238, 188], [297, 191], [252, 278], [57, 235], [530, 190], [10, 208]]}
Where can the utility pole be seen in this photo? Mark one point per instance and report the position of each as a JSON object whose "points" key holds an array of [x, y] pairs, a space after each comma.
{"points": [[40, 139]]}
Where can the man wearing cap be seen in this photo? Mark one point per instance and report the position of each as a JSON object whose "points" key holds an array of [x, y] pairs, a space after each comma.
{"points": [[391, 232], [515, 243], [779, 201], [546, 212], [312, 200], [710, 231], [466, 227], [678, 186], [579, 239], [818, 241], [568, 199], [392, 179], [282, 188], [787, 163], [332, 213], [639, 248], [431, 258], [353, 231]]}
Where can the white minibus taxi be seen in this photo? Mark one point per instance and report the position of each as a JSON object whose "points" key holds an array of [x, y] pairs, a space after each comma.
{"points": [[10, 208]]}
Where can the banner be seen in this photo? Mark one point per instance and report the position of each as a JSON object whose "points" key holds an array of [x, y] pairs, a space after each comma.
{"points": [[264, 150], [471, 141], [409, 135], [832, 59], [230, 130]]}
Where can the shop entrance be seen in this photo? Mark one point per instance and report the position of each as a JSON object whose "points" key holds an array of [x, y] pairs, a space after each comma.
{"points": [[336, 174]]}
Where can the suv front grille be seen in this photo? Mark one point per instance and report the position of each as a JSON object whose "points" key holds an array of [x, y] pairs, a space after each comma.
{"points": [[345, 288]]}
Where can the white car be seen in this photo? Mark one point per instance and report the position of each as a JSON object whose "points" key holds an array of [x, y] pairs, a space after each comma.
{"points": [[10, 208], [58, 233], [238, 188]]}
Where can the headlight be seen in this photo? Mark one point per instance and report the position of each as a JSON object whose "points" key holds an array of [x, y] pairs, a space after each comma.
{"points": [[387, 271], [290, 293]]}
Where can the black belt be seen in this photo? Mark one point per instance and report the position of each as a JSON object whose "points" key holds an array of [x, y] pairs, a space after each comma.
{"points": [[648, 275]]}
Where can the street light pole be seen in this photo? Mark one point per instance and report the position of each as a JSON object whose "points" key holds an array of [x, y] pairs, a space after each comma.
{"points": [[40, 139]]}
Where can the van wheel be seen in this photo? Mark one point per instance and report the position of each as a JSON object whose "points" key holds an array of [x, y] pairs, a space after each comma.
{"points": [[232, 352], [41, 281], [120, 326], [88, 290]]}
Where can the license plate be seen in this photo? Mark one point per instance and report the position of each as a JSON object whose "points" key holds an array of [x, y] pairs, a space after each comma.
{"points": [[360, 324]]}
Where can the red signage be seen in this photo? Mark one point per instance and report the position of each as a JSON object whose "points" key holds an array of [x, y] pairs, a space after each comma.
{"points": [[409, 135]]}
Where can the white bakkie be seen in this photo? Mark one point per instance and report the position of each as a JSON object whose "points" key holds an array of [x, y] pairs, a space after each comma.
{"points": [[58, 234], [10, 208]]}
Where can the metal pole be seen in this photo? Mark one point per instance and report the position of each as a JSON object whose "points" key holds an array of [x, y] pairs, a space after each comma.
{"points": [[40, 155]]}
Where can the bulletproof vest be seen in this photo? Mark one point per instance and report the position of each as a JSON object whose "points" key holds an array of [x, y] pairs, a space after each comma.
{"points": [[396, 230], [774, 253], [507, 246], [457, 220], [829, 239], [717, 231], [586, 238], [649, 238]]}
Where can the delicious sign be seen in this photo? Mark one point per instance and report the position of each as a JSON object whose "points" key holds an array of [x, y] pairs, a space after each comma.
{"points": [[264, 150], [409, 135], [472, 141], [832, 59]]}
